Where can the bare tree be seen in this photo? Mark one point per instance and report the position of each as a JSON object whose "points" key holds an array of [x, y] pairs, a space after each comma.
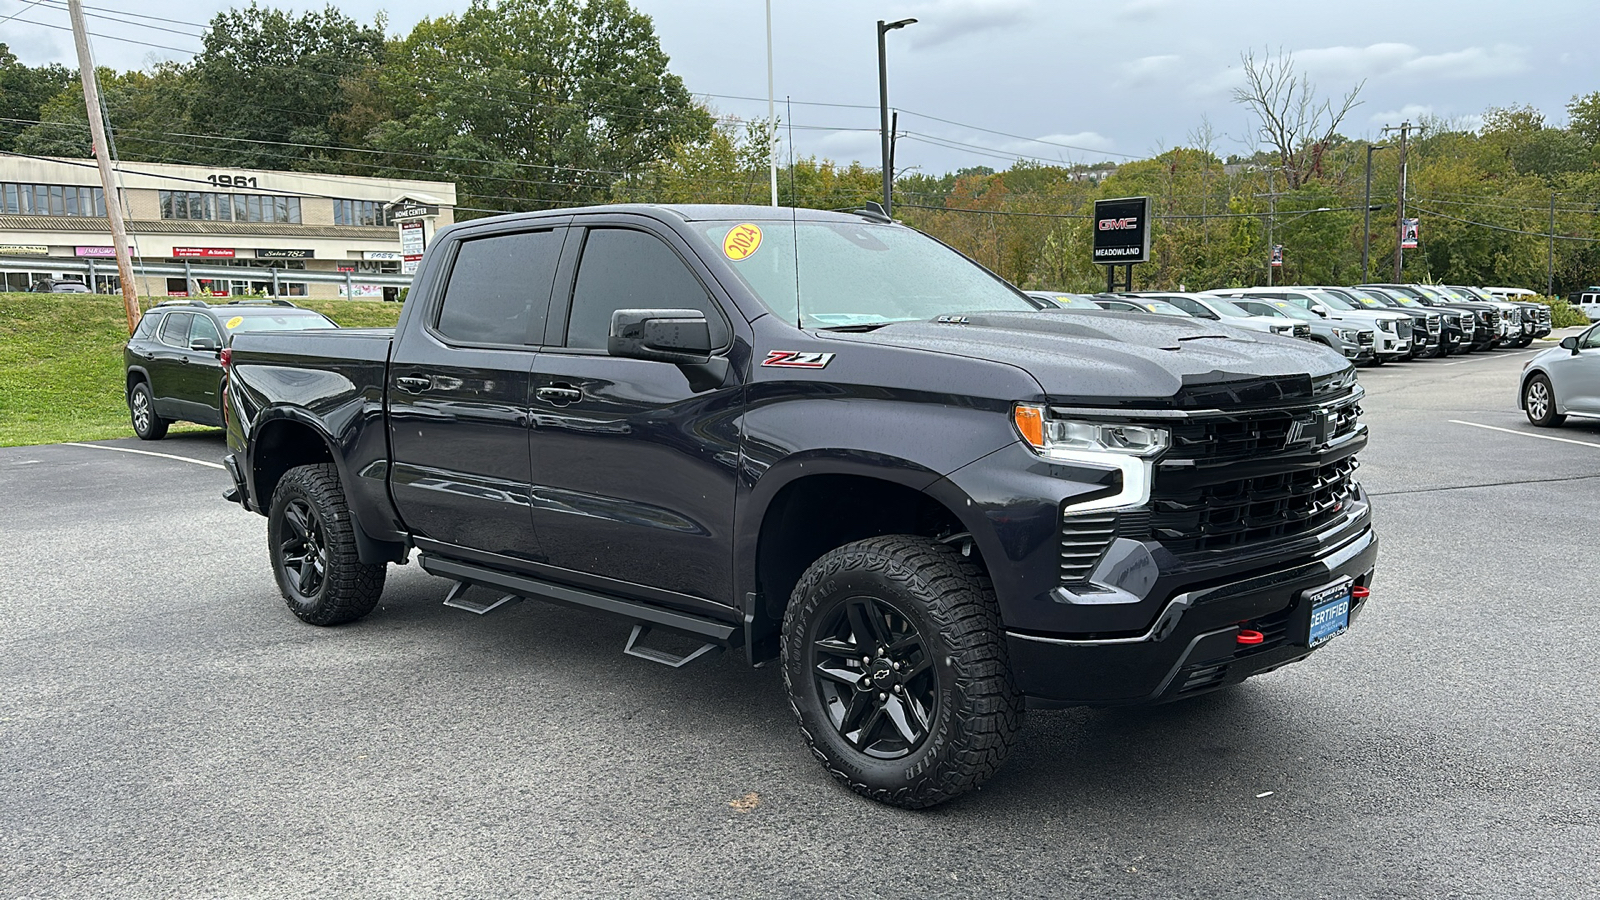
{"points": [[1291, 119]]}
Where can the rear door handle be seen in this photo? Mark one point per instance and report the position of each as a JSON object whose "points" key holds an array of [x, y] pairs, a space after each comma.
{"points": [[559, 395], [414, 384]]}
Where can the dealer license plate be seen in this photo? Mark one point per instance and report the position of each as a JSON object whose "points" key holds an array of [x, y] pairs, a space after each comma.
{"points": [[1330, 612]]}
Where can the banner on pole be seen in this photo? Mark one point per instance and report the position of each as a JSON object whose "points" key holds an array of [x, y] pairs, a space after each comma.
{"points": [[1408, 234], [1277, 256]]}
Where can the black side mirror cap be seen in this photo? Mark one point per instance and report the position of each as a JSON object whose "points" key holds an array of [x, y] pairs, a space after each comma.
{"points": [[679, 336], [205, 345], [1570, 343]]}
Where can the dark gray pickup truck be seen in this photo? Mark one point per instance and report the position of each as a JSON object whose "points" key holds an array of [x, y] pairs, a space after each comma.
{"points": [[826, 440]]}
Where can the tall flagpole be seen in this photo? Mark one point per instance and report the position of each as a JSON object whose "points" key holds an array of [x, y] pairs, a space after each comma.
{"points": [[772, 113]]}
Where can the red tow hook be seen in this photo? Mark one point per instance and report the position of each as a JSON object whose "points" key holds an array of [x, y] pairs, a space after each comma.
{"points": [[1359, 593], [1250, 637]]}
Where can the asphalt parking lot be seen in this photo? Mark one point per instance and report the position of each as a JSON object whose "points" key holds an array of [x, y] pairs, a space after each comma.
{"points": [[169, 729]]}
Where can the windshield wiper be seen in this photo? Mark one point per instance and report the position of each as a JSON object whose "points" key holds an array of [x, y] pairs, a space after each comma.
{"points": [[870, 326]]}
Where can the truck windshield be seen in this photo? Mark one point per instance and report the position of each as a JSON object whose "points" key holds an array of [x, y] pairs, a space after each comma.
{"points": [[294, 322], [1284, 309], [856, 274]]}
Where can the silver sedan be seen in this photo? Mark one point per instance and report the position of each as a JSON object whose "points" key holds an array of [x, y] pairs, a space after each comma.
{"points": [[1563, 380]]}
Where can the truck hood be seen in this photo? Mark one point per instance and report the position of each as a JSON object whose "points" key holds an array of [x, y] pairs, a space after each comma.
{"points": [[1118, 360]]}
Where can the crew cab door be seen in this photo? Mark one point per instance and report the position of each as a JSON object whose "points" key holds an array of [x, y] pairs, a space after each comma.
{"points": [[458, 392], [633, 463]]}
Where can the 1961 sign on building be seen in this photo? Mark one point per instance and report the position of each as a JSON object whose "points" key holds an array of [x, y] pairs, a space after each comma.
{"points": [[1122, 230]]}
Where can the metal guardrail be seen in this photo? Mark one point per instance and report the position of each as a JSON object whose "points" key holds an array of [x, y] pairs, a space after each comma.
{"points": [[190, 272]]}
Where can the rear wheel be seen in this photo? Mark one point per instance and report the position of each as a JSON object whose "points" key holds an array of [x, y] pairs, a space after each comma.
{"points": [[142, 411], [311, 538], [1539, 399], [896, 667]]}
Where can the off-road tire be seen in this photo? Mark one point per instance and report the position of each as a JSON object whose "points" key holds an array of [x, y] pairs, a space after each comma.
{"points": [[142, 413], [1539, 400], [977, 709], [311, 539]]}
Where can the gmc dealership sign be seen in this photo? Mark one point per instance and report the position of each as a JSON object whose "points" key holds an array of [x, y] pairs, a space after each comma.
{"points": [[1122, 230]]}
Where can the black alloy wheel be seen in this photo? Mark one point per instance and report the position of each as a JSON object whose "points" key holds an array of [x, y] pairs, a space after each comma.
{"points": [[311, 538], [875, 678], [142, 411], [303, 550], [896, 665]]}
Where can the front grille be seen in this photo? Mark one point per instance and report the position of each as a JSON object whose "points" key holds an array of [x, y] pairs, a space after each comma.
{"points": [[1433, 324], [1302, 330], [1364, 337], [1084, 539], [1250, 510], [1240, 436], [1493, 317]]}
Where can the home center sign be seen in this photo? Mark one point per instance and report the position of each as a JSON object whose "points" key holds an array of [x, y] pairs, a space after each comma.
{"points": [[1122, 231]]}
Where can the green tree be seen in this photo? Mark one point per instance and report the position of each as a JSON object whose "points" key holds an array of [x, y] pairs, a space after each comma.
{"points": [[533, 103], [24, 90]]}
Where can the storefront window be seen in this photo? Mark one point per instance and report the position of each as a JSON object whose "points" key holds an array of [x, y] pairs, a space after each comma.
{"points": [[205, 206], [51, 200]]}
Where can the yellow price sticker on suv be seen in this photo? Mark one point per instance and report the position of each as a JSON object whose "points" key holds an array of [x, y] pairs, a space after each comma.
{"points": [[741, 242], [234, 322]]}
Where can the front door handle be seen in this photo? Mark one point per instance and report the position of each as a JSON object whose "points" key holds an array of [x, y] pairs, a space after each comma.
{"points": [[559, 394], [413, 384]]}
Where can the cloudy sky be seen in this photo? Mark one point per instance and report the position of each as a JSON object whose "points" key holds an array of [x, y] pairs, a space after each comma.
{"points": [[1049, 79]]}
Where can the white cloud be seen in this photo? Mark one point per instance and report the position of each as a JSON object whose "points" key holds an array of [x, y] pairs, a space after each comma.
{"points": [[1354, 62], [944, 21], [1472, 62], [1061, 146], [1379, 60], [1143, 9], [1412, 111], [1148, 70]]}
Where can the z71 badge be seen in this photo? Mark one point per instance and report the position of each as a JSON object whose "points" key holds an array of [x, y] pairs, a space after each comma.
{"points": [[794, 359]]}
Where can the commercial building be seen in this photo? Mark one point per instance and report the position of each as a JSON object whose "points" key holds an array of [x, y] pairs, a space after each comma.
{"points": [[267, 225]]}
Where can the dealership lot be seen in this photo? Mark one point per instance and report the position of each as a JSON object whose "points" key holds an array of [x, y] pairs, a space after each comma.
{"points": [[168, 728]]}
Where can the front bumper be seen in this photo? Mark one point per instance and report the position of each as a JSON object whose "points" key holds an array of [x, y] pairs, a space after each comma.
{"points": [[1192, 648]]}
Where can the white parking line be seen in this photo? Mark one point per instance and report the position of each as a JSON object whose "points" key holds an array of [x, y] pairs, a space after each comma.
{"points": [[198, 462], [1505, 354], [1542, 437]]}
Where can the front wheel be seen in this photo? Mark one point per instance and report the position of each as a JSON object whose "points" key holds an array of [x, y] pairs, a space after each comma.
{"points": [[896, 667], [1539, 399], [312, 541]]}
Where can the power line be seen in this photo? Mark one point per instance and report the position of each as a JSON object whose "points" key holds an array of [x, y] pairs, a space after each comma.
{"points": [[1543, 234], [30, 4]]}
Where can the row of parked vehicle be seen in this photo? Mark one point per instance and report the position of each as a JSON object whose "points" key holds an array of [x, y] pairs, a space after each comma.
{"points": [[1369, 324]]}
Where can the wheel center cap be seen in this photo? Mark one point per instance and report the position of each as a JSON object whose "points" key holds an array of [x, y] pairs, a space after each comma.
{"points": [[882, 670]]}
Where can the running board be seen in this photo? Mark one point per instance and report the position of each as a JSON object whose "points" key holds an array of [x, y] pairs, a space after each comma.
{"points": [[457, 600], [525, 586], [661, 656]]}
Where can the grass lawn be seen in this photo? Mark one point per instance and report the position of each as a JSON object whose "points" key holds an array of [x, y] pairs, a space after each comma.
{"points": [[61, 363]]}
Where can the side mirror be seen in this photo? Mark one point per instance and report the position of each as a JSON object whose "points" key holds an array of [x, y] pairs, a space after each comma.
{"points": [[205, 345], [665, 335], [1570, 343], [1320, 310]]}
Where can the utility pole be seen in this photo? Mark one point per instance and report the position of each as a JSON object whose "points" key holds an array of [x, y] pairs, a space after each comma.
{"points": [[772, 114], [883, 106], [1550, 280], [1400, 207], [1366, 216], [1272, 220], [97, 131]]}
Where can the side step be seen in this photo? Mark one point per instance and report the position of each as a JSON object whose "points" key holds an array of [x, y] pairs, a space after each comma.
{"points": [[517, 586], [457, 599], [661, 656]]}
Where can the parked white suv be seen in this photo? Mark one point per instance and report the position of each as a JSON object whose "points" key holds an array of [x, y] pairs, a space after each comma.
{"points": [[1211, 306], [1391, 329]]}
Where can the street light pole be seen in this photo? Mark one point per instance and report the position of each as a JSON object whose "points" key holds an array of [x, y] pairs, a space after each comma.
{"points": [[883, 105], [1366, 217]]}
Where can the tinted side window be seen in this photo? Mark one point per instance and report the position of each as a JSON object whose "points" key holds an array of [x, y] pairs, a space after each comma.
{"points": [[624, 269], [1191, 307], [499, 288], [204, 328], [175, 329]]}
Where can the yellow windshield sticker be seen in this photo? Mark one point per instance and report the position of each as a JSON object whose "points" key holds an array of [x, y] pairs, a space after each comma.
{"points": [[234, 322], [741, 242]]}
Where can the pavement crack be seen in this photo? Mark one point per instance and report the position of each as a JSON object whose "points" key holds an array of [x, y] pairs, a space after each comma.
{"points": [[1468, 487]]}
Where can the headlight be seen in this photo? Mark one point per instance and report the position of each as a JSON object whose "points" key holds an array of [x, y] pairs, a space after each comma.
{"points": [[1386, 325], [1281, 329], [1347, 334], [1064, 438]]}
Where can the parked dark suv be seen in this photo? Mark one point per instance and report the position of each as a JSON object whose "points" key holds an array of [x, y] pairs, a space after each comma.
{"points": [[173, 360]]}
